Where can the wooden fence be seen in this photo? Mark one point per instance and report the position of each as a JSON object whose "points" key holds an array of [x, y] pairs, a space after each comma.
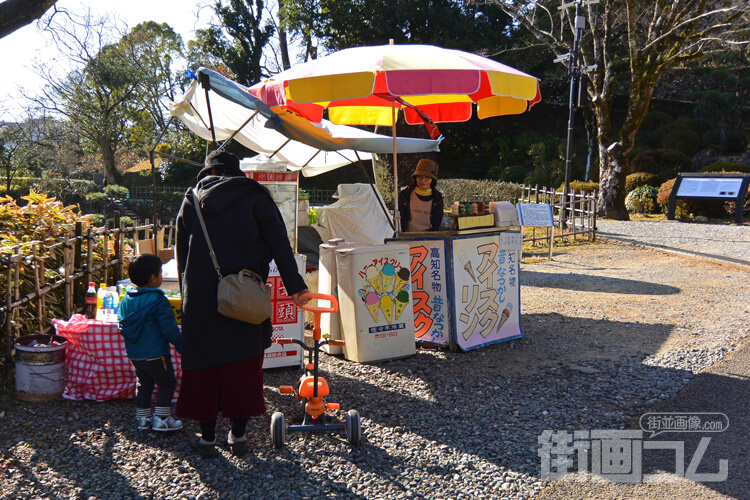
{"points": [[575, 217], [51, 280]]}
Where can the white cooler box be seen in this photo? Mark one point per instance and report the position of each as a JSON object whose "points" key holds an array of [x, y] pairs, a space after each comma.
{"points": [[328, 283], [377, 317]]}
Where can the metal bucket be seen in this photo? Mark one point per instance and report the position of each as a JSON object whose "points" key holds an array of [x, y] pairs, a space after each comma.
{"points": [[40, 369]]}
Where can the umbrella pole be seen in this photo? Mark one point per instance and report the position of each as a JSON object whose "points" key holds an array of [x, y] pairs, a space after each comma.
{"points": [[396, 215]]}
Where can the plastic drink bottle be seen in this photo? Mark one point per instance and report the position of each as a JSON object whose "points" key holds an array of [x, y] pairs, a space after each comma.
{"points": [[100, 300], [107, 305], [115, 303], [90, 309]]}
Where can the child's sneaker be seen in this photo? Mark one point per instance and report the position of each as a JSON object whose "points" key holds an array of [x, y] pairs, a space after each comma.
{"points": [[144, 423], [166, 424]]}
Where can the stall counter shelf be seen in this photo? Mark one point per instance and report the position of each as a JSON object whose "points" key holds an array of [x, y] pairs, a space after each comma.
{"points": [[465, 286]]}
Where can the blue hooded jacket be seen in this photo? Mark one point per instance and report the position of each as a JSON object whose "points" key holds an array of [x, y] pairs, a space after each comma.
{"points": [[147, 324]]}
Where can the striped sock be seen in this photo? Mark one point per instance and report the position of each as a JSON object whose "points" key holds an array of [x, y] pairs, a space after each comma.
{"points": [[163, 411], [143, 413]]}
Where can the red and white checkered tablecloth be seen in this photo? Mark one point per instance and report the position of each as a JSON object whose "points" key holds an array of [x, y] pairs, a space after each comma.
{"points": [[98, 366]]}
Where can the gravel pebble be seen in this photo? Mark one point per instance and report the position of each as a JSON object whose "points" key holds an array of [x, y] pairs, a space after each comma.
{"points": [[439, 425]]}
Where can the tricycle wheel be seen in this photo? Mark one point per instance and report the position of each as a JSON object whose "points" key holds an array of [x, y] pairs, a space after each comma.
{"points": [[353, 427], [278, 430]]}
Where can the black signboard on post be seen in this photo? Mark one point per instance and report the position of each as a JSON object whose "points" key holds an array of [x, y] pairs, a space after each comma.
{"points": [[710, 186]]}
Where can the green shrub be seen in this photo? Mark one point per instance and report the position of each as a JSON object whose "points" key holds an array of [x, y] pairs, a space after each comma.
{"points": [[642, 200], [684, 140], [468, 190], [580, 187], [513, 173], [69, 192], [736, 141], [40, 218], [726, 166], [125, 220], [96, 197], [654, 120], [665, 163], [639, 179], [97, 220], [117, 192]]}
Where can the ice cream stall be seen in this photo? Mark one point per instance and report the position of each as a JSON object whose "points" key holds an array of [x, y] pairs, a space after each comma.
{"points": [[465, 282]]}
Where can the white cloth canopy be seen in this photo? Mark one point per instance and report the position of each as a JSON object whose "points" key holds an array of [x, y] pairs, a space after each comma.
{"points": [[314, 148]]}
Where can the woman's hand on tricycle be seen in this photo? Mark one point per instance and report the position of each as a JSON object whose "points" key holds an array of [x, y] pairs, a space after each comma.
{"points": [[300, 298]]}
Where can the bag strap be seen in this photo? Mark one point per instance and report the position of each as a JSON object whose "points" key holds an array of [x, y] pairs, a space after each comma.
{"points": [[205, 233]]}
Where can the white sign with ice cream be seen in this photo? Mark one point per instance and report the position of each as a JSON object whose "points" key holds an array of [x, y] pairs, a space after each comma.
{"points": [[375, 302]]}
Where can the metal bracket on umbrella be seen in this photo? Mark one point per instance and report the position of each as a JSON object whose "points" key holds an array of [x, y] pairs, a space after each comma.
{"points": [[432, 129], [205, 81]]}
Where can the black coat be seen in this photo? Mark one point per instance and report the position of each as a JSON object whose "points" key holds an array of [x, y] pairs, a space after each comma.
{"points": [[247, 232], [404, 208]]}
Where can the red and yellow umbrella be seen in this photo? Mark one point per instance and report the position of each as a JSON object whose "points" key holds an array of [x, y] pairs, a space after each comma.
{"points": [[362, 85]]}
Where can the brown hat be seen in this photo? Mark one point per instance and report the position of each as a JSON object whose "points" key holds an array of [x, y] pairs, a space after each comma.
{"points": [[426, 167]]}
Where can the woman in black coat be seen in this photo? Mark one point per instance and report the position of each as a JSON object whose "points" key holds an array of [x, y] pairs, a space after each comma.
{"points": [[222, 358], [420, 204]]}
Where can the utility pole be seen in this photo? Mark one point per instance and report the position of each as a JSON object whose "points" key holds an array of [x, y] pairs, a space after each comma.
{"points": [[574, 70]]}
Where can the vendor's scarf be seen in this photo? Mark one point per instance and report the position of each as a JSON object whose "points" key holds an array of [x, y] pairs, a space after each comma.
{"points": [[423, 192]]}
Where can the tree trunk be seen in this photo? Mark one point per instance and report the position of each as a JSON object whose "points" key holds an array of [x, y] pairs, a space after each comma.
{"points": [[611, 202], [283, 45], [16, 14], [107, 151]]}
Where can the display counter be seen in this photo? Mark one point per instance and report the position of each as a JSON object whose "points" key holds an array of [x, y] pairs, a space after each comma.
{"points": [[465, 286]]}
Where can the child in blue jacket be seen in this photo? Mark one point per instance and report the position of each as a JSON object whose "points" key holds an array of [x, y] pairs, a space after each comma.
{"points": [[148, 326]]}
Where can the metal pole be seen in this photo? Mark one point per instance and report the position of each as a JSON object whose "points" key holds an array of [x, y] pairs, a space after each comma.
{"points": [[580, 23], [396, 215]]}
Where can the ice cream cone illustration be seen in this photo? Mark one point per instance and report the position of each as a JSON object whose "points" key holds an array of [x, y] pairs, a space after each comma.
{"points": [[402, 278], [372, 275], [402, 300], [386, 305], [466, 263], [505, 315], [387, 275], [371, 301]]}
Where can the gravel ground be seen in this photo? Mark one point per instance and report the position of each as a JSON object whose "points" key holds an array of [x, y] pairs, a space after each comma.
{"points": [[728, 242], [610, 330]]}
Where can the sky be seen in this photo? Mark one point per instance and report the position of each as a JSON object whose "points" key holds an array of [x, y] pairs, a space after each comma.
{"points": [[26, 44]]}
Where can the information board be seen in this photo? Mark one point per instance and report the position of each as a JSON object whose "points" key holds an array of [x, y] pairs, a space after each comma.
{"points": [[535, 214], [721, 187], [697, 187]]}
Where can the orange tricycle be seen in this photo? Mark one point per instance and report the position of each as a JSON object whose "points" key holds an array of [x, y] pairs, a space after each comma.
{"points": [[312, 388]]}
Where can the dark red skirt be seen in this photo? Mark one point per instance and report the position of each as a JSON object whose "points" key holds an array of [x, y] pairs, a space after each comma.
{"points": [[234, 389]]}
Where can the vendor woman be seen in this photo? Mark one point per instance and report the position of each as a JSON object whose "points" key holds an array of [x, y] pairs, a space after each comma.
{"points": [[420, 204]]}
